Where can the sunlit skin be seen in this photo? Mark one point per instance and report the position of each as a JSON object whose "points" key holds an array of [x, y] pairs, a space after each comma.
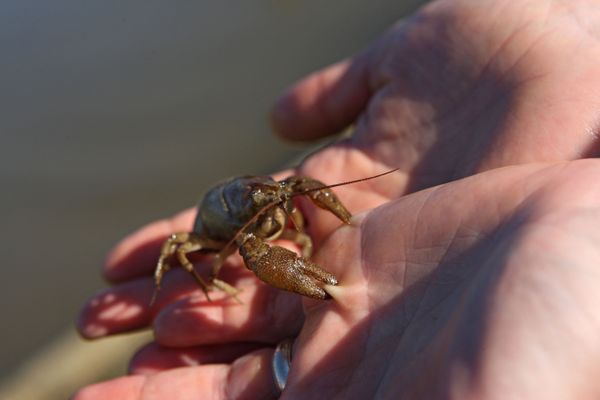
{"points": [[472, 281]]}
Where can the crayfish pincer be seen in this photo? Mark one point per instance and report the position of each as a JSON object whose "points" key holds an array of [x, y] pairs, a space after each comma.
{"points": [[245, 213]]}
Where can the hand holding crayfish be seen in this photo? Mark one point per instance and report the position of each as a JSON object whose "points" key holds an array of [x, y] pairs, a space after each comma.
{"points": [[466, 290], [244, 213]]}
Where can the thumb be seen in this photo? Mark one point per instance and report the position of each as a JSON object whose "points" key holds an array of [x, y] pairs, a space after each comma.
{"points": [[323, 103]]}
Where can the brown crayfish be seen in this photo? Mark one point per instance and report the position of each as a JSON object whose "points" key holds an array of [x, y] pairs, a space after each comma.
{"points": [[244, 213]]}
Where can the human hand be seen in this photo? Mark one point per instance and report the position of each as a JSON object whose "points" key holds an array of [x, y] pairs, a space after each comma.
{"points": [[459, 88], [421, 107], [482, 288]]}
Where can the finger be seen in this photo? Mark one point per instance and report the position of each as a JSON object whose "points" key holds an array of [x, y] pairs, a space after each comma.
{"points": [[248, 377], [126, 306], [154, 358], [267, 315], [137, 254], [127, 387], [325, 102]]}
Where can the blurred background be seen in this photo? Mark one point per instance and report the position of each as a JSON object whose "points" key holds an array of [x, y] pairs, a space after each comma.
{"points": [[116, 113]]}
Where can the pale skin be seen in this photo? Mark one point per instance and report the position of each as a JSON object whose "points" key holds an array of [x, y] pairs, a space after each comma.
{"points": [[482, 288]]}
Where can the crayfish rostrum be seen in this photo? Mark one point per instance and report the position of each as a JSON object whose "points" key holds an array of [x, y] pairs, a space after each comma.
{"points": [[245, 213]]}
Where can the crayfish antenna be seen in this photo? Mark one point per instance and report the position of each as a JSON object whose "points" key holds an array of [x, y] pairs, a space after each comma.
{"points": [[303, 192], [154, 295]]}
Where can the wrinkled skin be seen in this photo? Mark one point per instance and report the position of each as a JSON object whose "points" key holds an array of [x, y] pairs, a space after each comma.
{"points": [[482, 288]]}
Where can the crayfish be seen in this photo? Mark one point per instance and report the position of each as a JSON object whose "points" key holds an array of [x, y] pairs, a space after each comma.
{"points": [[245, 213]]}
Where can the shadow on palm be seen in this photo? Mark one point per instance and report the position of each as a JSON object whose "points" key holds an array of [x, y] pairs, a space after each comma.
{"points": [[462, 274], [440, 102]]}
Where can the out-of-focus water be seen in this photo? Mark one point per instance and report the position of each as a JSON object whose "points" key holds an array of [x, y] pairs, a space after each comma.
{"points": [[115, 113]]}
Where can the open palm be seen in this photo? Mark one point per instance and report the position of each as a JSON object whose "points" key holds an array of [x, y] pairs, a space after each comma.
{"points": [[483, 288], [430, 279]]}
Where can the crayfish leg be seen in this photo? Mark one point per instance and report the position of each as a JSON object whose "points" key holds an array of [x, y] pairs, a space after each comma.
{"points": [[227, 288], [166, 251], [301, 239], [178, 244], [182, 251], [218, 261]]}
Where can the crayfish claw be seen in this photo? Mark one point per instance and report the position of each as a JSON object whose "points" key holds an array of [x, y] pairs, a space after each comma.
{"points": [[284, 269]]}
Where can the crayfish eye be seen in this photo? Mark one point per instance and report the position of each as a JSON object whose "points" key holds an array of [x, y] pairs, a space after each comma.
{"points": [[257, 195]]}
